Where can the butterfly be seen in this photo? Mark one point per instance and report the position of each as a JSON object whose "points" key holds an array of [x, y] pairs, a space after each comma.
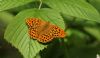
{"points": [[43, 31]]}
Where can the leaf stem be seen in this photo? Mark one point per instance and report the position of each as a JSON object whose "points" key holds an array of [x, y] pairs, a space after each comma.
{"points": [[40, 4]]}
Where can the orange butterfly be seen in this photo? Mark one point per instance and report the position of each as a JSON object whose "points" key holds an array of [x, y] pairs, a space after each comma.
{"points": [[43, 31]]}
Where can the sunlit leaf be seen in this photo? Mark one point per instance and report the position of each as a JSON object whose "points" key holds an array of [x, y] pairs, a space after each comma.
{"points": [[95, 3], [17, 31], [75, 8], [7, 4]]}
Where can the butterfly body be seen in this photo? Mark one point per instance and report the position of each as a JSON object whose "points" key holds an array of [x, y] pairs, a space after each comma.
{"points": [[43, 31]]}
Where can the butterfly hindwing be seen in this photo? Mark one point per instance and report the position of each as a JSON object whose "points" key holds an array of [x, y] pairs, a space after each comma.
{"points": [[45, 37], [57, 32]]}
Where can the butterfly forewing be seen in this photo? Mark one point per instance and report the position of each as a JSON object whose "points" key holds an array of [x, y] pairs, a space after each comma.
{"points": [[33, 22], [33, 33]]}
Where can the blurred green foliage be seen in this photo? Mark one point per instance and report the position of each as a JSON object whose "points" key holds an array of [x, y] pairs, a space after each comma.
{"points": [[82, 26]]}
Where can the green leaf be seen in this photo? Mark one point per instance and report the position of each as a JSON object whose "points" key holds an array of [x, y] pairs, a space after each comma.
{"points": [[94, 31], [17, 31], [6, 17], [38, 56], [95, 3], [77, 38], [76, 8], [79, 47], [76, 52], [7, 4]]}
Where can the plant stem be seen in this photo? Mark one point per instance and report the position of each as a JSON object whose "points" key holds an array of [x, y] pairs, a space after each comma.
{"points": [[40, 4]]}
